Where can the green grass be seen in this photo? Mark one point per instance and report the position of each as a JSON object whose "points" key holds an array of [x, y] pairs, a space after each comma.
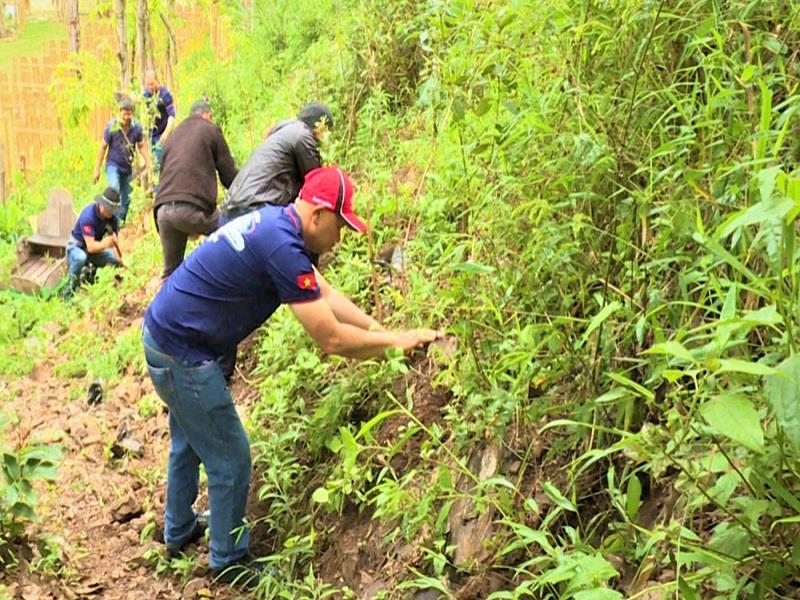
{"points": [[31, 40]]}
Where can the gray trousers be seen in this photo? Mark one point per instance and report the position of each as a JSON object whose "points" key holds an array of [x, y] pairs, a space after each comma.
{"points": [[176, 222]]}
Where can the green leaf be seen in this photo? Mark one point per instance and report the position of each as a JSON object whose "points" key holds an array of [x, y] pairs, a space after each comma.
{"points": [[612, 395], [598, 319], [598, 594], [365, 430], [21, 510], [734, 417], [735, 365], [783, 396], [768, 315], [471, 267], [687, 592], [557, 497], [11, 467], [629, 383], [633, 497], [320, 495], [671, 348]]}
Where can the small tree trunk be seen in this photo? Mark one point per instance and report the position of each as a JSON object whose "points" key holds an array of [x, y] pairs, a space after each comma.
{"points": [[122, 44], [142, 36], [2, 24], [74, 21], [172, 52]]}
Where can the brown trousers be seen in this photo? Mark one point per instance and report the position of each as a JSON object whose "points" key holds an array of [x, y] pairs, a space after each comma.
{"points": [[176, 222]]}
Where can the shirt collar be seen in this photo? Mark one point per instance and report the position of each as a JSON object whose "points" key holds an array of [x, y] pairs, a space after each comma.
{"points": [[291, 212]]}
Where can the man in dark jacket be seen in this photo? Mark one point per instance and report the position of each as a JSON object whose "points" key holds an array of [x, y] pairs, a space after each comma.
{"points": [[186, 203], [275, 171]]}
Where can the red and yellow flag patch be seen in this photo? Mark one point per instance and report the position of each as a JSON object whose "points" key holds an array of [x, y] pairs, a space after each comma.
{"points": [[307, 281]]}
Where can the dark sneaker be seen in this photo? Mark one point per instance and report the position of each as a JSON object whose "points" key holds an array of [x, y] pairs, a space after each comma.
{"points": [[245, 572], [199, 530]]}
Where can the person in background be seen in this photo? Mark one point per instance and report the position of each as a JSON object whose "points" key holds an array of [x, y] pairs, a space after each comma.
{"points": [[121, 138], [229, 286], [186, 201], [276, 169], [94, 241], [161, 107]]}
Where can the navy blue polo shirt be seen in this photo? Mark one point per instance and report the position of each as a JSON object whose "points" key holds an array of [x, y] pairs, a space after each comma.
{"points": [[165, 106], [92, 224], [120, 150], [231, 284]]}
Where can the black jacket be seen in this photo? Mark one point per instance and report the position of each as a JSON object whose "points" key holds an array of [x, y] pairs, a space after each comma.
{"points": [[275, 171], [193, 155]]}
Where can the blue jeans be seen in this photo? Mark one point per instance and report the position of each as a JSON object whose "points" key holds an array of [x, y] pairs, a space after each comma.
{"points": [[77, 258], [122, 183], [156, 152], [204, 427]]}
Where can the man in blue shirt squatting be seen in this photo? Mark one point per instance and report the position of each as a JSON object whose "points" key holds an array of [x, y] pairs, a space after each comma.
{"points": [[122, 136], [227, 288], [160, 104], [94, 238]]}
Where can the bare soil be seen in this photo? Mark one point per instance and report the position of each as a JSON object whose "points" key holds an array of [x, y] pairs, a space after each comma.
{"points": [[105, 511]]}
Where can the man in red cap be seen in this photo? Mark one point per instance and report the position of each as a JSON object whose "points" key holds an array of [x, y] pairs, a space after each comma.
{"points": [[227, 288]]}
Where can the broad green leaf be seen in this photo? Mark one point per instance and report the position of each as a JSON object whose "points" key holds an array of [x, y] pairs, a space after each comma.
{"points": [[629, 383], [365, 430], [445, 478], [526, 537], [11, 467], [598, 319], [735, 365], [671, 348], [350, 448], [320, 495], [557, 497], [612, 394], [633, 497], [766, 182], [734, 417], [766, 117], [21, 510], [471, 267], [598, 594], [783, 395], [687, 592], [732, 540], [767, 315]]}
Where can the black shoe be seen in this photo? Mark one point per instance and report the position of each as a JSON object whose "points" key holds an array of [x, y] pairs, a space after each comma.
{"points": [[245, 572], [199, 530]]}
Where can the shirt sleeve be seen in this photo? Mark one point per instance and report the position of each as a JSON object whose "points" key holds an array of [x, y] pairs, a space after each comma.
{"points": [[87, 226], [137, 134], [169, 103], [307, 153], [226, 167], [107, 135], [292, 274]]}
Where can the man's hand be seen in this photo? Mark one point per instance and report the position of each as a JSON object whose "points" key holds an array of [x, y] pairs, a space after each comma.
{"points": [[417, 338], [115, 244]]}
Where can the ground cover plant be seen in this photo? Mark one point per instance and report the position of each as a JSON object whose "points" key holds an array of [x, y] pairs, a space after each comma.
{"points": [[598, 202]]}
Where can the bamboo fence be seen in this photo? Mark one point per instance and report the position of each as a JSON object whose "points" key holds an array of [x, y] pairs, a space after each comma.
{"points": [[29, 127]]}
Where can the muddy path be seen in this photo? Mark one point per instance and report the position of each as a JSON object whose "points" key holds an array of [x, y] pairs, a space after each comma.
{"points": [[99, 522]]}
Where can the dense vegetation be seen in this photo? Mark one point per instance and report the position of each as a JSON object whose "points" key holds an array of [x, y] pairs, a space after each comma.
{"points": [[598, 201]]}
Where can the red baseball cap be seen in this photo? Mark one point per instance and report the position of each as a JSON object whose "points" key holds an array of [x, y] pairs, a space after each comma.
{"points": [[330, 187]]}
